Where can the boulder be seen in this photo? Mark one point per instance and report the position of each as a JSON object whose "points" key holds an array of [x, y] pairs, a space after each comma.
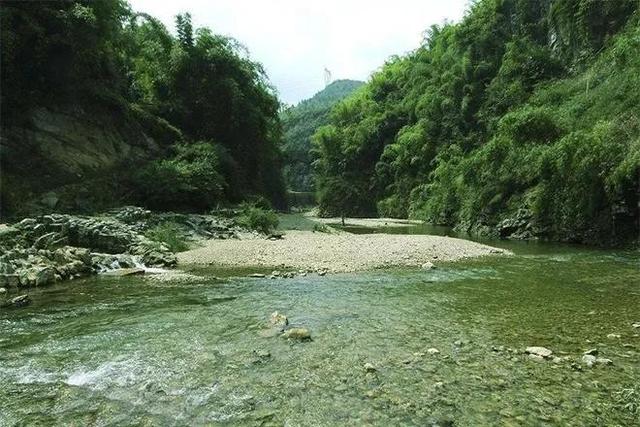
{"points": [[159, 258], [3, 291], [589, 360], [278, 319], [297, 334], [262, 354], [44, 276], [27, 278], [591, 352], [9, 280], [428, 265], [433, 351], [19, 301], [539, 351], [8, 234], [369, 368], [50, 240]]}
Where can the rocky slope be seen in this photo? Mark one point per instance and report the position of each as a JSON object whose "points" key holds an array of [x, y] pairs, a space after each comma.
{"points": [[73, 158]]}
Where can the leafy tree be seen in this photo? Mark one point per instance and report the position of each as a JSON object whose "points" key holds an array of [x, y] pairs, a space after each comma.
{"points": [[522, 106], [98, 57]]}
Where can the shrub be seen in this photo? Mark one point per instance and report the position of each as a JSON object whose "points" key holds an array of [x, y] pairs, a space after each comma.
{"points": [[170, 234], [191, 179], [257, 218]]}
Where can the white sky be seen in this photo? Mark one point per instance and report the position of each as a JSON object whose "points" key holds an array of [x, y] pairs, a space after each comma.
{"points": [[296, 39]]}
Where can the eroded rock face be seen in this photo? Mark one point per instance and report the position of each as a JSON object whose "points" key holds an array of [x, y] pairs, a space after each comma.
{"points": [[43, 250]]}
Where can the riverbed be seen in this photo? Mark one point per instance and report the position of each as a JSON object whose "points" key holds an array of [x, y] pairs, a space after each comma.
{"points": [[390, 347]]}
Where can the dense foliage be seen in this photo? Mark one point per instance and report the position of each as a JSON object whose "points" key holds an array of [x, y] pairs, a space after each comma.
{"points": [[195, 86], [525, 109], [300, 122]]}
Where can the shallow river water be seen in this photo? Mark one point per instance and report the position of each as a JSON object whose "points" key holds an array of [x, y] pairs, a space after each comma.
{"points": [[137, 351]]}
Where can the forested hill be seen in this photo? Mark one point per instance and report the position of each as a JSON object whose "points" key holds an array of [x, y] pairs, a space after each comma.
{"points": [[103, 106], [300, 122], [523, 119]]}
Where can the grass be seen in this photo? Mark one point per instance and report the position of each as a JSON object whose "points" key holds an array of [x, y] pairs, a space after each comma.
{"points": [[170, 234]]}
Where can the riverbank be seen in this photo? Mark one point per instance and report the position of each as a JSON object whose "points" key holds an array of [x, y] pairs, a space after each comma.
{"points": [[48, 249], [336, 252]]}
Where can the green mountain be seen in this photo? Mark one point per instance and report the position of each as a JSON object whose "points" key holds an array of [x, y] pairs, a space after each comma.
{"points": [[299, 124], [521, 120]]}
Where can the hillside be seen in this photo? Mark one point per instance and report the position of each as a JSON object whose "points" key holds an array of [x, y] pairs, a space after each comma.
{"points": [[521, 120], [300, 122], [103, 106]]}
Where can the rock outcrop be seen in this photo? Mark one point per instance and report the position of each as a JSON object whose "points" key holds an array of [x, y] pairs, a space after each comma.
{"points": [[47, 249]]}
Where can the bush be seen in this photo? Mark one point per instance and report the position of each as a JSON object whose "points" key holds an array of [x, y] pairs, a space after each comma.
{"points": [[170, 234], [257, 218], [191, 179]]}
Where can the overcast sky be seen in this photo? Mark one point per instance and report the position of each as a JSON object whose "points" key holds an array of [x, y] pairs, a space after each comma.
{"points": [[297, 39]]}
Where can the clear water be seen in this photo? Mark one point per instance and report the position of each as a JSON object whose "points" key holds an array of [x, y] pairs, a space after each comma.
{"points": [[132, 351]]}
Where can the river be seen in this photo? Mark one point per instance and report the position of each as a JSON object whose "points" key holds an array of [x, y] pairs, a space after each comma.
{"points": [[137, 351]]}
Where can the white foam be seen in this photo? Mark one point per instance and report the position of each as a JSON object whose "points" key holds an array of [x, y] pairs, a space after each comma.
{"points": [[120, 373]]}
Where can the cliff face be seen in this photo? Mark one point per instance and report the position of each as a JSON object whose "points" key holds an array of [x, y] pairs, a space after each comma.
{"points": [[69, 158]]}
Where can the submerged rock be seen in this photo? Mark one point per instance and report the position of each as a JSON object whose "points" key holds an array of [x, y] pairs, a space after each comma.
{"points": [[433, 351], [298, 334], [591, 352], [428, 266], [19, 301], [122, 272], [589, 360], [278, 319], [604, 361], [539, 351], [261, 356], [369, 368]]}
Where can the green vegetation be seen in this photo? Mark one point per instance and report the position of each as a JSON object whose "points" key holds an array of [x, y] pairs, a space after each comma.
{"points": [[190, 178], [99, 59], [170, 234], [524, 109], [258, 218], [300, 122]]}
